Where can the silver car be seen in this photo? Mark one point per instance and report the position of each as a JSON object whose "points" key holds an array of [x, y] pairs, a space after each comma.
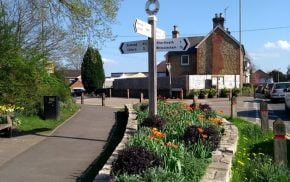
{"points": [[278, 91]]}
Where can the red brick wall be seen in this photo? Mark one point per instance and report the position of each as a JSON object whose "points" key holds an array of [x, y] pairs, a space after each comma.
{"points": [[219, 55]]}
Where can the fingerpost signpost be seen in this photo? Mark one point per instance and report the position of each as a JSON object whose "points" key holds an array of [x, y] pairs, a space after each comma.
{"points": [[156, 42]]}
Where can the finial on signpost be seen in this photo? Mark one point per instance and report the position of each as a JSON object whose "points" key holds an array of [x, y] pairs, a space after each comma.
{"points": [[156, 8]]}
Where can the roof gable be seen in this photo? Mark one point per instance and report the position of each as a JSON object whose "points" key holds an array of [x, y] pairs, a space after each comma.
{"points": [[227, 34]]}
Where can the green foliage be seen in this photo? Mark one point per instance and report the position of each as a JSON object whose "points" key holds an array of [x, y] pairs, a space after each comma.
{"points": [[212, 92], [181, 162], [92, 70], [193, 93], [262, 168], [254, 157], [224, 92], [24, 80], [203, 93], [236, 92]]}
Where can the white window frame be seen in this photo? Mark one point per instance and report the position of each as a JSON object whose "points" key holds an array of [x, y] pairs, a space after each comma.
{"points": [[181, 62]]}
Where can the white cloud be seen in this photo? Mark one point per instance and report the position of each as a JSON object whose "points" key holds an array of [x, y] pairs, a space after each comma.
{"points": [[109, 61], [280, 44], [270, 45], [283, 44]]}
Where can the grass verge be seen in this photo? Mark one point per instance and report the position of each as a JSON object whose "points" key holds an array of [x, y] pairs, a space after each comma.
{"points": [[34, 124], [254, 157], [114, 139]]}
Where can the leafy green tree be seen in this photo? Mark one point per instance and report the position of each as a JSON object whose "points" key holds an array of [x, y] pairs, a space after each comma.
{"points": [[92, 71], [24, 80], [51, 26]]}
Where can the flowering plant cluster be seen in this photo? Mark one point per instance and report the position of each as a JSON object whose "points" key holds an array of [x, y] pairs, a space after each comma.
{"points": [[12, 111], [179, 158]]}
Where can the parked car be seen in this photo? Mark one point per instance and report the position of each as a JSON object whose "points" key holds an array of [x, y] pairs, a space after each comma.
{"points": [[287, 100], [77, 92], [278, 91]]}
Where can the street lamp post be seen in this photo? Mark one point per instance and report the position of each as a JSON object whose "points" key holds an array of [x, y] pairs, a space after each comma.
{"points": [[168, 66]]}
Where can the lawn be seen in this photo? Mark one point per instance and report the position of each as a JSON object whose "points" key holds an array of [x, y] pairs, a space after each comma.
{"points": [[34, 124], [254, 157]]}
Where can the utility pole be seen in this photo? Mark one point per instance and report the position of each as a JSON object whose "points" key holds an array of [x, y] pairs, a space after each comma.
{"points": [[240, 39]]}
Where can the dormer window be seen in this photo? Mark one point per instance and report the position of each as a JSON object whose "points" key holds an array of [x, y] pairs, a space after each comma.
{"points": [[185, 60]]}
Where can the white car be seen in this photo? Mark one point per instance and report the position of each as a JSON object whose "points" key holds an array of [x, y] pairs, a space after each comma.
{"points": [[287, 100], [278, 91]]}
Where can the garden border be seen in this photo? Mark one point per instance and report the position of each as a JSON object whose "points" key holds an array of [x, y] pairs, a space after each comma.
{"points": [[131, 128], [220, 168]]}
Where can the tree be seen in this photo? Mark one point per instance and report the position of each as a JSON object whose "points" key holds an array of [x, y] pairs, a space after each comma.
{"points": [[92, 70], [75, 57], [278, 76], [50, 26]]}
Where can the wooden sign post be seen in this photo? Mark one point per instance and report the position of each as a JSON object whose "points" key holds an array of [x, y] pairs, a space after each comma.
{"points": [[280, 143], [264, 115]]}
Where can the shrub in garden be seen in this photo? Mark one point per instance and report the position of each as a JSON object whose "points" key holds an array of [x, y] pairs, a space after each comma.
{"points": [[193, 134], [135, 160], [154, 122], [203, 93], [236, 92], [224, 92], [212, 93], [194, 93]]}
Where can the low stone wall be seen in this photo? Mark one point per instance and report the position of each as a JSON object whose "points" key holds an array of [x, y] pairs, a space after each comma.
{"points": [[220, 168], [104, 173]]}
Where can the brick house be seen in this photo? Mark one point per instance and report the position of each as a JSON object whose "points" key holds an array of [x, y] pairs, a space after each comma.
{"points": [[216, 54]]}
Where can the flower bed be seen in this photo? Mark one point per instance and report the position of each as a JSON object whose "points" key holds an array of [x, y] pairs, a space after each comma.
{"points": [[175, 146]]}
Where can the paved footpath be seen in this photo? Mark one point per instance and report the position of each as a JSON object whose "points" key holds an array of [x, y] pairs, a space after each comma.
{"points": [[64, 155]]}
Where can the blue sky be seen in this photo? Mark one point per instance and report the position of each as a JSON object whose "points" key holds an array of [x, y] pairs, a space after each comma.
{"points": [[269, 49]]}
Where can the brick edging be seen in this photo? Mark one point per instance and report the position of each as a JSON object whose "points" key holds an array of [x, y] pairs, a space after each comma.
{"points": [[131, 128], [220, 168]]}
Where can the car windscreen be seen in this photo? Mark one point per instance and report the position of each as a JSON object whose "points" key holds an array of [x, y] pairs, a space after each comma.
{"points": [[282, 85]]}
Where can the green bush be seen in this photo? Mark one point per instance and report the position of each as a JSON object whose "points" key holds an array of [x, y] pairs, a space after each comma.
{"points": [[203, 93], [236, 92], [224, 92], [212, 93], [193, 93]]}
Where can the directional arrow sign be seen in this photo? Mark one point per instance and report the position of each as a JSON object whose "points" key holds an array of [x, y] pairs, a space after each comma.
{"points": [[162, 45], [178, 44], [134, 47], [144, 28]]}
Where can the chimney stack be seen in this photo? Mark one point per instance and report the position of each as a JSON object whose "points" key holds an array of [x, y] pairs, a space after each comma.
{"points": [[175, 32], [218, 20]]}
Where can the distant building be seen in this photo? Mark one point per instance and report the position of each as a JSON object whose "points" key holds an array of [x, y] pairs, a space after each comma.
{"points": [[260, 77], [216, 54], [71, 75]]}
